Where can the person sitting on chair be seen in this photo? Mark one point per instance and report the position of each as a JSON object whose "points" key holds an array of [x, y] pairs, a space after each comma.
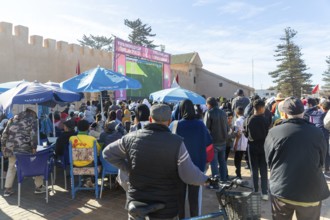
{"points": [[20, 136], [63, 140], [83, 140]]}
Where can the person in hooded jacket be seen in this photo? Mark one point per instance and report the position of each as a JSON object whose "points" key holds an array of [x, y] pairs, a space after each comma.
{"points": [[295, 152], [240, 100], [196, 138]]}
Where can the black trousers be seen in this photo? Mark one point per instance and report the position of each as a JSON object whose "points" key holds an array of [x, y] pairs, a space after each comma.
{"points": [[284, 211], [327, 158], [247, 157], [238, 161], [258, 164], [193, 192], [227, 152]]}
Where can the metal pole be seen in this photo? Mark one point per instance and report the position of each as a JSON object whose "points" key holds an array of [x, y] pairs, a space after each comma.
{"points": [[53, 119], [102, 112], [38, 124]]}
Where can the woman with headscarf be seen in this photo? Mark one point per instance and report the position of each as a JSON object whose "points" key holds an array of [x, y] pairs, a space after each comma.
{"points": [[196, 139]]}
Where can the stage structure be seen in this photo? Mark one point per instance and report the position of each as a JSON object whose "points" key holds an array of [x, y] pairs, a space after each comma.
{"points": [[150, 67]]}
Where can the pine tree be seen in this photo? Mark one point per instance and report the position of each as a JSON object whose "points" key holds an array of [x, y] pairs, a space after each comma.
{"points": [[290, 77], [326, 76], [140, 33], [97, 42]]}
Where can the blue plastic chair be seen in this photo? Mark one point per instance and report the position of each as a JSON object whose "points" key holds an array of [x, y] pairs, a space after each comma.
{"points": [[107, 169], [80, 171], [31, 165], [63, 162]]}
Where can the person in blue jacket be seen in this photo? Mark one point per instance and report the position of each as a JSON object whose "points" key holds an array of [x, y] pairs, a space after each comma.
{"points": [[196, 138]]}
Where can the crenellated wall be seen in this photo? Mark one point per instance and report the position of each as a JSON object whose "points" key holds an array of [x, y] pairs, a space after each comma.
{"points": [[34, 58]]}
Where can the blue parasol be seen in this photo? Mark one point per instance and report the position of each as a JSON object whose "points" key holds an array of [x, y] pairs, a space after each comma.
{"points": [[175, 95], [100, 79], [9, 85]]}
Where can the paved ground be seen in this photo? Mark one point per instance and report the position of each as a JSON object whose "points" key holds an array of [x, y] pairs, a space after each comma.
{"points": [[111, 206]]}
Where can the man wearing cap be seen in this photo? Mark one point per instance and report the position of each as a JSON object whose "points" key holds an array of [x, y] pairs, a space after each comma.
{"points": [[295, 152], [155, 160], [240, 100]]}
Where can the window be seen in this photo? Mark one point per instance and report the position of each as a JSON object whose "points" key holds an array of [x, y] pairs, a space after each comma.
{"points": [[220, 84], [194, 79], [267, 93]]}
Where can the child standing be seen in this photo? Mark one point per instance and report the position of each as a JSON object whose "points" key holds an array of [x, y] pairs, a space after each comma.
{"points": [[241, 141]]}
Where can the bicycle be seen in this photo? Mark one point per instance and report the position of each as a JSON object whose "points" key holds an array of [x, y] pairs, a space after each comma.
{"points": [[233, 204]]}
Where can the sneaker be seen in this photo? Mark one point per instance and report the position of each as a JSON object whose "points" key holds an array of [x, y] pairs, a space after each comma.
{"points": [[264, 197], [247, 167], [89, 184], [39, 190], [8, 192]]}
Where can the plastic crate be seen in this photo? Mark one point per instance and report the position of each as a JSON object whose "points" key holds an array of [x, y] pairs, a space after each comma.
{"points": [[241, 205]]}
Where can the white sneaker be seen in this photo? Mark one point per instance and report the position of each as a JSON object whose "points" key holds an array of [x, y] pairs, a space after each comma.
{"points": [[41, 189], [264, 197]]}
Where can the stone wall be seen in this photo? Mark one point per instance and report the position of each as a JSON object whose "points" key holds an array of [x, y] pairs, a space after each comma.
{"points": [[34, 58]]}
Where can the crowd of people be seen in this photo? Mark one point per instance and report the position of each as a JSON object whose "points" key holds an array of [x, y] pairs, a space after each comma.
{"points": [[163, 151]]}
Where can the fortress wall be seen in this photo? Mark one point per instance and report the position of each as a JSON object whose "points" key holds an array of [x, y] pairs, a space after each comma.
{"points": [[33, 57]]}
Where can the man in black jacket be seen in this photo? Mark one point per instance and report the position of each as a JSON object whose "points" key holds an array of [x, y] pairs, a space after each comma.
{"points": [[155, 160], [295, 152], [256, 129]]}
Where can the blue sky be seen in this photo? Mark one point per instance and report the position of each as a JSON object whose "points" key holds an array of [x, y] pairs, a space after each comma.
{"points": [[227, 34]]}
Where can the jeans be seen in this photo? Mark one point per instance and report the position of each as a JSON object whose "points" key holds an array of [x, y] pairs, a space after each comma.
{"points": [[219, 164], [258, 163], [11, 174], [193, 193]]}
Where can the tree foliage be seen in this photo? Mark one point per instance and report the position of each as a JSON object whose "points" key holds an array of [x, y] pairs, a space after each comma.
{"points": [[326, 76], [290, 76], [97, 42], [140, 33]]}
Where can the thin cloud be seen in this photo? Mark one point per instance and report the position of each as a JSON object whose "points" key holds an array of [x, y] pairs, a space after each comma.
{"points": [[199, 3], [243, 9]]}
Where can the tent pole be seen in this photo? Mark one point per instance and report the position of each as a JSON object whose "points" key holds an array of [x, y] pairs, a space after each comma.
{"points": [[53, 122], [102, 112], [38, 133]]}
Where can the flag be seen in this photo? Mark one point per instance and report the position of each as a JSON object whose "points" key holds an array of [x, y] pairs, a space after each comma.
{"points": [[316, 89], [175, 83], [78, 68]]}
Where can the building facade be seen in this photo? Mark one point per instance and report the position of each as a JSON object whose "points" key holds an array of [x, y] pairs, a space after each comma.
{"points": [[194, 77]]}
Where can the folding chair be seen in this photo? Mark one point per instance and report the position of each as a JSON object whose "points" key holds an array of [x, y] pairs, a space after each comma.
{"points": [[31, 165], [63, 162], [107, 169], [83, 154]]}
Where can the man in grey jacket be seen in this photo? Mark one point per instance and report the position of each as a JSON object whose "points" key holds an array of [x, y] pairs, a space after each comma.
{"points": [[240, 100], [156, 161], [216, 122]]}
